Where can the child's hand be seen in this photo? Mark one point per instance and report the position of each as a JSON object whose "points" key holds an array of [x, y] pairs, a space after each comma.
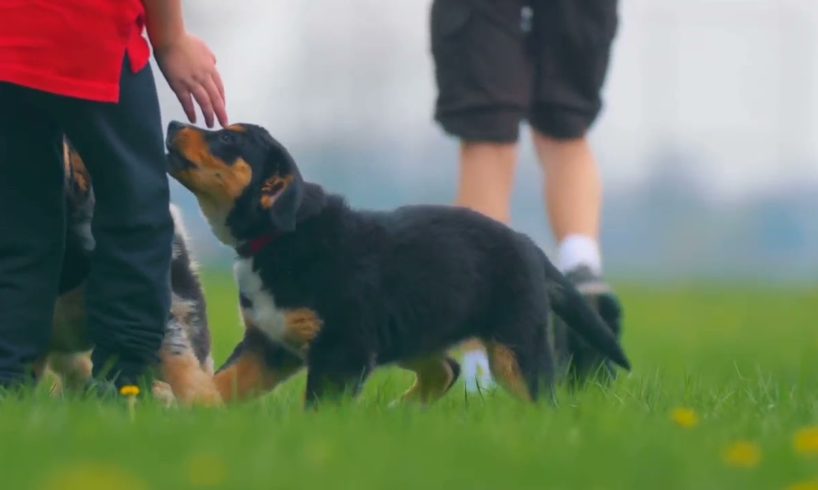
{"points": [[190, 69]]}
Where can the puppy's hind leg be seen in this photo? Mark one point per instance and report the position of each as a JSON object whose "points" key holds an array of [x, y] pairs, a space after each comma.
{"points": [[334, 372], [435, 375], [325, 383], [522, 361]]}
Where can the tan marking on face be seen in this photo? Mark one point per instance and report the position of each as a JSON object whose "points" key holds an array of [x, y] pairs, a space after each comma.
{"points": [[75, 169], [191, 385], [434, 377], [66, 159], [211, 178], [506, 369], [237, 128], [272, 188], [301, 326]]}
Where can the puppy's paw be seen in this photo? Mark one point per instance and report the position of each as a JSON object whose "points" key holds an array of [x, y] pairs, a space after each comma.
{"points": [[199, 391], [207, 397], [163, 393], [301, 327]]}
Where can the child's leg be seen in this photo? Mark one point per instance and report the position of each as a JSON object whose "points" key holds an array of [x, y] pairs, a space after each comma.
{"points": [[572, 43], [483, 78], [128, 289], [573, 193], [32, 221], [487, 178], [486, 182]]}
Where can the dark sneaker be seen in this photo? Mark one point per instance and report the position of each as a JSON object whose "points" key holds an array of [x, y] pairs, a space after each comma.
{"points": [[578, 361]]}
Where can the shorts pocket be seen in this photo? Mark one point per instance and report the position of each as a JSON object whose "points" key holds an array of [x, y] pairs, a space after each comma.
{"points": [[448, 20]]}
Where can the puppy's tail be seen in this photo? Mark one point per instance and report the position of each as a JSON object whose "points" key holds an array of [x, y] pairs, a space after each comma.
{"points": [[574, 310]]}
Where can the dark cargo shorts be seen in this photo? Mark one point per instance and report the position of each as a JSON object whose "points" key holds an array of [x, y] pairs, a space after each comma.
{"points": [[499, 62]]}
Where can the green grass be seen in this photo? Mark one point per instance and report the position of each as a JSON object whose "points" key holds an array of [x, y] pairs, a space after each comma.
{"points": [[745, 359]]}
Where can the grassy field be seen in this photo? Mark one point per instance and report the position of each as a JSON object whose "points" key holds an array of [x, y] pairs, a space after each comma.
{"points": [[741, 363]]}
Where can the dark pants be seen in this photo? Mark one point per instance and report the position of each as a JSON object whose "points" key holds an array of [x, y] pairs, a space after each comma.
{"points": [[128, 291]]}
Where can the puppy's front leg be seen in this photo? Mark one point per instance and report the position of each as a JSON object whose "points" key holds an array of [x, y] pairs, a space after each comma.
{"points": [[256, 366], [181, 369], [335, 371]]}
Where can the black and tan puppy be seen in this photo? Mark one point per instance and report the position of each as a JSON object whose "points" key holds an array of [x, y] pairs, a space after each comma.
{"points": [[186, 365], [345, 291]]}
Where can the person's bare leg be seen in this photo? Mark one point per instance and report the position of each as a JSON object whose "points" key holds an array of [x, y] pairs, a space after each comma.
{"points": [[573, 196], [486, 182], [487, 178]]}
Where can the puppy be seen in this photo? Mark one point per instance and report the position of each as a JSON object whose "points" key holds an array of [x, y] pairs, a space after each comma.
{"points": [[185, 361], [344, 291]]}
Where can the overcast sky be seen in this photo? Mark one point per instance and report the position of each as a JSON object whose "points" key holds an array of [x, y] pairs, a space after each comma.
{"points": [[729, 83]]}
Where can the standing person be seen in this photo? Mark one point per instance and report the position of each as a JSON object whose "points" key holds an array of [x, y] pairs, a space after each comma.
{"points": [[80, 68], [497, 63]]}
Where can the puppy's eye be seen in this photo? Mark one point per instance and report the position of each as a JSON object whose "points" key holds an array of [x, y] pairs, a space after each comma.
{"points": [[226, 137]]}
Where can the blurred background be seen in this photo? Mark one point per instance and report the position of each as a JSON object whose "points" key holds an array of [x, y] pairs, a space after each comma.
{"points": [[707, 142]]}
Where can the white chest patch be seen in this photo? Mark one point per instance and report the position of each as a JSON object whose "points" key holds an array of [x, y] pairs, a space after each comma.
{"points": [[262, 312]]}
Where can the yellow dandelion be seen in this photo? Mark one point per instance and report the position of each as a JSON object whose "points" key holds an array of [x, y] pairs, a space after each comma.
{"points": [[92, 476], [742, 454], [685, 418], [805, 441], [206, 470], [804, 485], [129, 390]]}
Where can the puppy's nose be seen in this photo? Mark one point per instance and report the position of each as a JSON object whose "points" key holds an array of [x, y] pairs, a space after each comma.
{"points": [[173, 129]]}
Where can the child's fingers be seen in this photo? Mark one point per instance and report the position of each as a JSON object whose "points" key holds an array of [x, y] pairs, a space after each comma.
{"points": [[217, 79], [203, 99], [217, 99], [187, 104]]}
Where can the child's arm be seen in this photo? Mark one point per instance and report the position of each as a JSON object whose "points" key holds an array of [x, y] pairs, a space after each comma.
{"points": [[187, 63]]}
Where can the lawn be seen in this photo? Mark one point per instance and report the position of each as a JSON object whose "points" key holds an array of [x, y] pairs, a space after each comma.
{"points": [[741, 362]]}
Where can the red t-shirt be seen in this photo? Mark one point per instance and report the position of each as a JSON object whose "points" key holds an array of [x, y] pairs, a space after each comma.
{"points": [[73, 48]]}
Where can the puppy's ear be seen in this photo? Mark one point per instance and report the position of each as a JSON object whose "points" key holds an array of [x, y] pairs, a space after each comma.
{"points": [[280, 199], [313, 201]]}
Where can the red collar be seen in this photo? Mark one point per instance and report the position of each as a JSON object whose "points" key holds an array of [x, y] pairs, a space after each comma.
{"points": [[253, 247]]}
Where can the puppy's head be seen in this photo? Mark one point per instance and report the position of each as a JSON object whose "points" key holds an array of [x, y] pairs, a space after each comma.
{"points": [[79, 197], [78, 189], [246, 182]]}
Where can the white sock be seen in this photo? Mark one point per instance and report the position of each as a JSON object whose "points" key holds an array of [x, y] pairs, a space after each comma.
{"points": [[578, 250]]}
